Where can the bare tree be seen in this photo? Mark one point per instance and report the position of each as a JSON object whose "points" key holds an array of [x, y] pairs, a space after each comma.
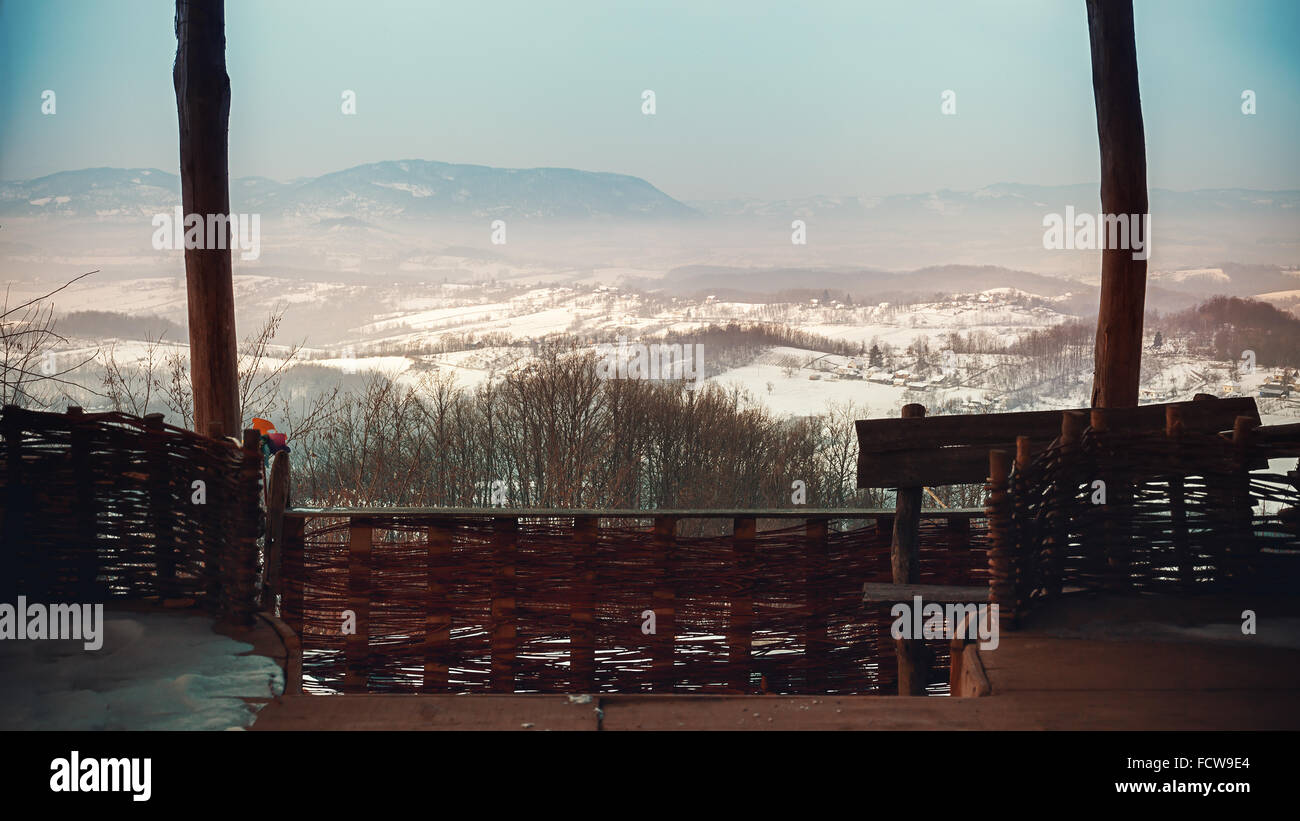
{"points": [[27, 342]]}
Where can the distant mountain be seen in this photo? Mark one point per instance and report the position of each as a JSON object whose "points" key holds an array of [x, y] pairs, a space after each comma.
{"points": [[871, 285], [865, 281], [92, 192], [394, 189], [1006, 199]]}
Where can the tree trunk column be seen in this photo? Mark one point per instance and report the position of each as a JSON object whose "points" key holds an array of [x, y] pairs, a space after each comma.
{"points": [[1118, 356], [203, 109]]}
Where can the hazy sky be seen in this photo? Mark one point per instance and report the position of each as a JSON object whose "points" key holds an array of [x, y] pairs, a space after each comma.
{"points": [[766, 99]]}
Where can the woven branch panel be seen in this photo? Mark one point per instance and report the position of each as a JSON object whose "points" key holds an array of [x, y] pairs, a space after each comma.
{"points": [[103, 506], [1178, 515], [560, 605]]}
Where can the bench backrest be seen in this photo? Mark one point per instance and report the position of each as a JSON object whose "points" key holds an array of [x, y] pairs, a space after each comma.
{"points": [[951, 450]]}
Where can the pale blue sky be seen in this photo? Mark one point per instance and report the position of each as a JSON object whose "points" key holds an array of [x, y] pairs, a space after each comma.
{"points": [[755, 98]]}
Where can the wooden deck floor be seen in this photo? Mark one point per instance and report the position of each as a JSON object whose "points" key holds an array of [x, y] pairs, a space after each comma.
{"points": [[1130, 664]]}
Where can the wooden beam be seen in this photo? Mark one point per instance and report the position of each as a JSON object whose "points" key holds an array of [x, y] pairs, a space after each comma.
{"points": [[942, 450], [203, 110], [989, 429], [1118, 358]]}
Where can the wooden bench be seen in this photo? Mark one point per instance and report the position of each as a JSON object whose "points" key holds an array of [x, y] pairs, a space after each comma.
{"points": [[916, 451], [920, 451]]}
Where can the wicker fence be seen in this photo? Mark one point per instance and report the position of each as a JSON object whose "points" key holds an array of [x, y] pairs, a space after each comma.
{"points": [[110, 506], [603, 601], [1109, 509]]}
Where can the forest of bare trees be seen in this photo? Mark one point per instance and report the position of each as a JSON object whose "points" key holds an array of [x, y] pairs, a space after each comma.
{"points": [[557, 436]]}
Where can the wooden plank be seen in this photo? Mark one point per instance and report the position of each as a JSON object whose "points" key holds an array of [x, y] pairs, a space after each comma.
{"points": [[665, 603], [815, 637], [739, 631], [1001, 544], [505, 537], [582, 634], [930, 467], [880, 593], [904, 458], [974, 681], [356, 647], [989, 430], [437, 619]]}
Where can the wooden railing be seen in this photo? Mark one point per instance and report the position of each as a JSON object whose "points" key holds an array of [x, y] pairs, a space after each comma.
{"points": [[506, 600], [101, 506]]}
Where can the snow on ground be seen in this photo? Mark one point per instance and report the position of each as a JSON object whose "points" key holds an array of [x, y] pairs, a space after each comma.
{"points": [[801, 396], [155, 671], [390, 366]]}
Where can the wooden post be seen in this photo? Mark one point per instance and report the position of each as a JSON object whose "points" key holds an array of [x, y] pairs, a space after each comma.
{"points": [[739, 633], [958, 541], [505, 536], [357, 645], [816, 643], [15, 551], [1243, 546], [277, 500], [904, 555], [582, 639], [665, 603], [1117, 515], [294, 580], [203, 110], [1026, 534], [905, 563], [437, 620], [1002, 588], [1174, 429], [1061, 523], [160, 507], [87, 569], [885, 526], [239, 561], [1118, 356]]}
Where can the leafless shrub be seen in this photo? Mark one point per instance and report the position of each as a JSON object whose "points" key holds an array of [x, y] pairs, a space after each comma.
{"points": [[27, 341]]}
